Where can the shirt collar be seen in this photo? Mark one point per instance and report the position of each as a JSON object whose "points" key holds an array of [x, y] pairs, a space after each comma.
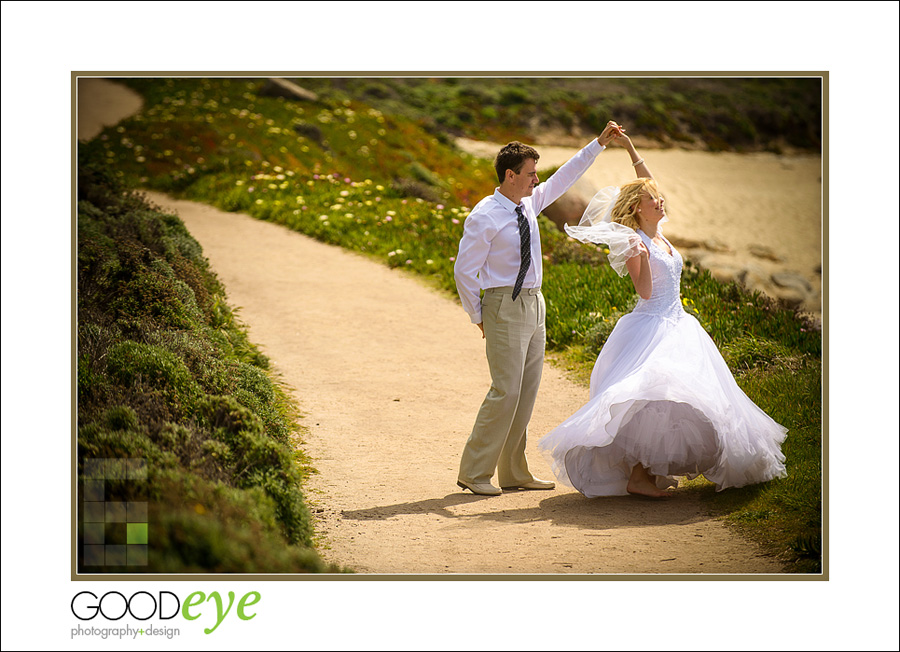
{"points": [[504, 201]]}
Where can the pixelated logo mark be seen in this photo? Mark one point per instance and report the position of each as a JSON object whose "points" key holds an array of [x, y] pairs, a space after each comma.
{"points": [[114, 512]]}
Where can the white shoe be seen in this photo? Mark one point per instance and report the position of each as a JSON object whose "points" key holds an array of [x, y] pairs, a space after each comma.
{"points": [[534, 484], [480, 488]]}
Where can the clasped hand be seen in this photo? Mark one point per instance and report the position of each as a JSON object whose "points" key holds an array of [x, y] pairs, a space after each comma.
{"points": [[612, 132]]}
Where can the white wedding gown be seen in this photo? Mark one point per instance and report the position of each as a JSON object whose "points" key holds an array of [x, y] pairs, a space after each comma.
{"points": [[662, 396]]}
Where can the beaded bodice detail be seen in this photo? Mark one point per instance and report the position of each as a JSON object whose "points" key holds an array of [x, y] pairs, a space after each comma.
{"points": [[665, 300]]}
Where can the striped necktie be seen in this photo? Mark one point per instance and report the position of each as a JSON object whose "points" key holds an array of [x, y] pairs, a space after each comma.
{"points": [[525, 239]]}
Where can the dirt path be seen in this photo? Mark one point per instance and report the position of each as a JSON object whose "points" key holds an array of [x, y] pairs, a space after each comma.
{"points": [[102, 103], [390, 375]]}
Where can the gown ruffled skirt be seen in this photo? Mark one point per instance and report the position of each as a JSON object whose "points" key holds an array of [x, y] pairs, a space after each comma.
{"points": [[663, 396]]}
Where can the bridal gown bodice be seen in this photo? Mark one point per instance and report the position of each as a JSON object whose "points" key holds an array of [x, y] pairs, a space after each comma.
{"points": [[665, 270]]}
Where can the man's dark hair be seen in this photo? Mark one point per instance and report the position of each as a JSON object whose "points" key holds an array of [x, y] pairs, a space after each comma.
{"points": [[513, 157]]}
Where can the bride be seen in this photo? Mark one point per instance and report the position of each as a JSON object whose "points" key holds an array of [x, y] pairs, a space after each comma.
{"points": [[662, 400]]}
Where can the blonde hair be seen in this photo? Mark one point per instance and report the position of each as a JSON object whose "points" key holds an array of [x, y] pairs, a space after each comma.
{"points": [[630, 195]]}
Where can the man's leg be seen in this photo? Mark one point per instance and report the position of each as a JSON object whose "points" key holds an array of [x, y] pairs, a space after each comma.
{"points": [[507, 341], [512, 467]]}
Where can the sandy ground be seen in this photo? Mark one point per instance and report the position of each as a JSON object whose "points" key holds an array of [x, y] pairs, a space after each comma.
{"points": [[102, 103], [390, 375]]}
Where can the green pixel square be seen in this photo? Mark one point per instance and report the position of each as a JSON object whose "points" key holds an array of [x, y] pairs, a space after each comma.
{"points": [[137, 533]]}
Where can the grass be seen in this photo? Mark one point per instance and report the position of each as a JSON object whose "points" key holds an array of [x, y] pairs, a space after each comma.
{"points": [[713, 113], [389, 187], [167, 375]]}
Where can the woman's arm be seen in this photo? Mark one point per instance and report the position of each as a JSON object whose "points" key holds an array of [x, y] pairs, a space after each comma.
{"points": [[639, 270], [640, 168]]}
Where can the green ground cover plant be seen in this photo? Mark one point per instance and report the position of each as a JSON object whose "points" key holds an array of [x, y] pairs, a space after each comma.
{"points": [[711, 113], [386, 186], [167, 375]]}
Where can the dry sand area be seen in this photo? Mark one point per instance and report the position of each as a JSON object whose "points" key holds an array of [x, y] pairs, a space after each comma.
{"points": [[389, 375]]}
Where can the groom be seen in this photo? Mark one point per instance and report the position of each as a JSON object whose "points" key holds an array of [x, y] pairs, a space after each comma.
{"points": [[500, 253]]}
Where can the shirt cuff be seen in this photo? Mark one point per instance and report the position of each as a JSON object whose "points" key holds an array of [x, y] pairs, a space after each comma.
{"points": [[594, 147], [476, 317]]}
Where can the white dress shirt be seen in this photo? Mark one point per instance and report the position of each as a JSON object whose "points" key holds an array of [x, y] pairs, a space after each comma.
{"points": [[490, 249]]}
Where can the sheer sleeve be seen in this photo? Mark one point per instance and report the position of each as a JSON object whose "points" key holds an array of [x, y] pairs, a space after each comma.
{"points": [[622, 242]]}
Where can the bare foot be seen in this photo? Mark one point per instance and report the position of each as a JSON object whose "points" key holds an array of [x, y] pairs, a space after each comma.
{"points": [[647, 489]]}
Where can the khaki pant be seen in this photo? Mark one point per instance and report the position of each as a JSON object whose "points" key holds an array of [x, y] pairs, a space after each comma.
{"points": [[515, 338]]}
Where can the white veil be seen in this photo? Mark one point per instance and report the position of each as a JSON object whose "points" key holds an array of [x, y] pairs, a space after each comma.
{"points": [[597, 227]]}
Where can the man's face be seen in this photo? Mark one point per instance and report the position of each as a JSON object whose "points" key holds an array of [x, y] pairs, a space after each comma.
{"points": [[524, 182]]}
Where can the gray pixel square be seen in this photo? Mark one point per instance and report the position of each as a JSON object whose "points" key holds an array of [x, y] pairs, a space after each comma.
{"points": [[137, 469], [137, 555], [95, 512], [94, 555], [115, 512], [94, 533], [136, 512], [95, 469], [116, 469], [115, 555], [95, 490]]}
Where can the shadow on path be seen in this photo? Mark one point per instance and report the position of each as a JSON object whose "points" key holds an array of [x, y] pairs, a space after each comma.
{"points": [[571, 509]]}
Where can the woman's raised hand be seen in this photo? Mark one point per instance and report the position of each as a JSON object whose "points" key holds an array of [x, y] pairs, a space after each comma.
{"points": [[610, 132], [621, 138], [640, 168]]}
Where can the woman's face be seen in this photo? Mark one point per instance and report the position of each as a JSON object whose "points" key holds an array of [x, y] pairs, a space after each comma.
{"points": [[652, 207]]}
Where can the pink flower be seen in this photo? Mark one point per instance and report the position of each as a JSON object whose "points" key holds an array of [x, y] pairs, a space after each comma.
{"points": [[455, 221], [388, 219]]}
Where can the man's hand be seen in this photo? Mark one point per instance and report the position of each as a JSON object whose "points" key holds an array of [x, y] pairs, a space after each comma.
{"points": [[612, 131], [481, 326]]}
